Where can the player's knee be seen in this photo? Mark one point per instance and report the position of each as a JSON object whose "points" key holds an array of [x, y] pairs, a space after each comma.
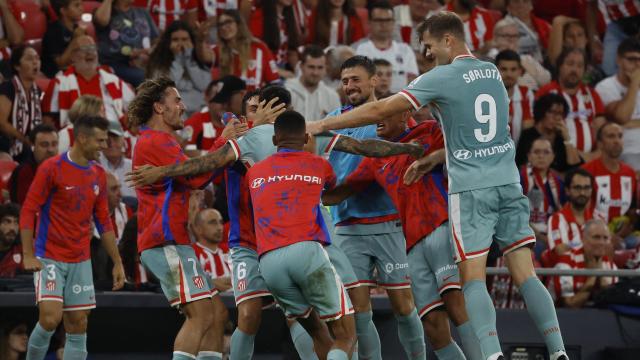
{"points": [[403, 306], [76, 324], [454, 302], [344, 330], [360, 299], [50, 321], [249, 317], [436, 327]]}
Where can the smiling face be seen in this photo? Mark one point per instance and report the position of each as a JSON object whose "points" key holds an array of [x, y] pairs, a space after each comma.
{"points": [[171, 108], [393, 126], [438, 49], [358, 85], [85, 56], [227, 27]]}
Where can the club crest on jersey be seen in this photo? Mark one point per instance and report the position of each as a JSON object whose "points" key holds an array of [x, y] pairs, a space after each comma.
{"points": [[50, 285], [198, 281], [96, 189], [242, 285], [252, 65]]}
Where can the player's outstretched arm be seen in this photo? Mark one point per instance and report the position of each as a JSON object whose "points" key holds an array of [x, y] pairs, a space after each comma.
{"points": [[108, 240], [422, 166], [369, 113], [377, 148], [337, 194], [147, 174]]}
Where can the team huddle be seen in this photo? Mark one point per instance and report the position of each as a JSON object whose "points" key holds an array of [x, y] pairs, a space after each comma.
{"points": [[319, 212]]}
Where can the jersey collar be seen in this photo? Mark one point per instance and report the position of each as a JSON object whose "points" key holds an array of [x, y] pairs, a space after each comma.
{"points": [[285, 150], [463, 56]]}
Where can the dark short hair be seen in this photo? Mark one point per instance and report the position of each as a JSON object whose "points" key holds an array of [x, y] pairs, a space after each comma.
{"points": [[59, 4], [381, 62], [86, 124], [272, 91], [542, 105], [41, 129], [9, 209], [628, 45], [600, 132], [248, 95], [568, 179], [507, 55], [312, 51], [290, 122], [359, 60], [442, 23], [380, 4], [148, 93], [565, 54], [16, 55]]}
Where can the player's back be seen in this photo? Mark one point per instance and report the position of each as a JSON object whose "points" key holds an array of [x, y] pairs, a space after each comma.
{"points": [[470, 99], [285, 193]]}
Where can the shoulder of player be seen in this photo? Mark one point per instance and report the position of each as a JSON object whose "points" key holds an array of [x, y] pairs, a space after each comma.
{"points": [[425, 128], [51, 163]]}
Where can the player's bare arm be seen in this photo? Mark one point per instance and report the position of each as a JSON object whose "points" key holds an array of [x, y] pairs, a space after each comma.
{"points": [[147, 174], [377, 148], [108, 240], [29, 261], [422, 166], [366, 114], [337, 194]]}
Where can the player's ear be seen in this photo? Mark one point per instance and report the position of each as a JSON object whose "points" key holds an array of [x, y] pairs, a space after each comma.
{"points": [[157, 108], [306, 138], [274, 140]]}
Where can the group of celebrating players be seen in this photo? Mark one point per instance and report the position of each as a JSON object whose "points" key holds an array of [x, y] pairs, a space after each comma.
{"points": [[406, 225]]}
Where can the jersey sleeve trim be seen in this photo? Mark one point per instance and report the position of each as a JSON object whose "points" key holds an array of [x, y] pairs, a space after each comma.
{"points": [[412, 100], [329, 148], [235, 148]]}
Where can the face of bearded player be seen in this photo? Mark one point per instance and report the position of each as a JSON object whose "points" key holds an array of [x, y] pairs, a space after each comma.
{"points": [[172, 109], [358, 85]]}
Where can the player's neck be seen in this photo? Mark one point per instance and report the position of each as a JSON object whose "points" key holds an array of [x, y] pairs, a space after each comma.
{"points": [[156, 123], [290, 146], [460, 50], [76, 156]]}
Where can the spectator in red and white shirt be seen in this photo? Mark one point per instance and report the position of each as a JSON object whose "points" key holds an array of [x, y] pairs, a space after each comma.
{"points": [[521, 104], [408, 16], [240, 54], [534, 31], [478, 24], [614, 183], [119, 212], [334, 22], [586, 112], [576, 291], [164, 13], [565, 226]]}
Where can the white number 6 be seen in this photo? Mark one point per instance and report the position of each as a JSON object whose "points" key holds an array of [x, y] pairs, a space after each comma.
{"points": [[483, 118], [242, 270]]}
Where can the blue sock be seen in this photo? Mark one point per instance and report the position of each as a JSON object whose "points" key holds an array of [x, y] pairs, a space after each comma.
{"points": [[75, 348], [209, 355], [542, 311], [482, 316], [337, 354], [38, 343], [368, 339], [241, 345], [411, 335], [470, 342], [450, 352], [179, 355], [302, 342]]}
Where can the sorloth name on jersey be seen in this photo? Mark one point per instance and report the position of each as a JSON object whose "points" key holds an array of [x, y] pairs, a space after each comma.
{"points": [[475, 74]]}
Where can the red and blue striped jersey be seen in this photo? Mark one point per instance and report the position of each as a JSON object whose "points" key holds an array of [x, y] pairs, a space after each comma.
{"points": [[422, 205], [66, 197], [285, 193], [163, 207]]}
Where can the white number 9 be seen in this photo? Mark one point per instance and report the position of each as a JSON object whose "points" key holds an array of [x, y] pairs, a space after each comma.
{"points": [[483, 118]]}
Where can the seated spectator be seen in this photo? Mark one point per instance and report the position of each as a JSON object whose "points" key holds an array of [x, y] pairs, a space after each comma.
{"points": [[119, 212], [614, 185], [534, 31], [125, 34], [114, 161], [384, 73], [565, 226], [309, 95], [60, 40], [45, 145], [577, 291], [586, 112], [202, 129], [334, 22], [85, 105], [521, 97], [11, 35], [543, 187], [10, 245], [505, 37], [478, 24], [174, 56], [302, 9], [240, 54], [13, 339], [85, 77], [20, 102], [274, 22], [549, 112], [164, 13], [408, 16], [135, 273], [620, 95], [380, 45]]}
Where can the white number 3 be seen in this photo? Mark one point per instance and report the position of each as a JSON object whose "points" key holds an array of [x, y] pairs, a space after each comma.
{"points": [[485, 118]]}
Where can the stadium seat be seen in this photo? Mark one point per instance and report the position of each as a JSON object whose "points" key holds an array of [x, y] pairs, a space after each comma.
{"points": [[548, 258], [31, 18]]}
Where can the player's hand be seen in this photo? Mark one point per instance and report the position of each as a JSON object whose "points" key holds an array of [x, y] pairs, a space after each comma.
{"points": [[416, 149], [118, 276], [314, 127], [143, 175], [234, 129], [418, 169], [31, 263], [268, 112], [635, 77]]}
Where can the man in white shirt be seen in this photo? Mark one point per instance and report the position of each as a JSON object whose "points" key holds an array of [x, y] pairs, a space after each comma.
{"points": [[309, 95], [620, 95], [380, 45], [114, 161]]}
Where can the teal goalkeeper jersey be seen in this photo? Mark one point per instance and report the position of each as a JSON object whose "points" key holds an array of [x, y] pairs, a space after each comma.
{"points": [[472, 105]]}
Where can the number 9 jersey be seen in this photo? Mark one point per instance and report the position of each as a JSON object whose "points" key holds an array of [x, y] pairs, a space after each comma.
{"points": [[470, 100]]}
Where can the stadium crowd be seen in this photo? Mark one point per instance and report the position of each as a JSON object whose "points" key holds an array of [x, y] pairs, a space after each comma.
{"points": [[571, 70]]}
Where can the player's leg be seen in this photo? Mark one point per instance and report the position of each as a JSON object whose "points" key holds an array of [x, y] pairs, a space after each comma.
{"points": [[514, 236], [75, 326], [321, 339], [393, 274], [198, 320], [436, 326], [49, 285], [472, 218], [455, 305], [302, 341], [249, 290], [212, 343], [79, 299], [344, 333]]}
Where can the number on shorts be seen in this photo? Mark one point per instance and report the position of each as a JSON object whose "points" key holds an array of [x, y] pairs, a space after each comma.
{"points": [[193, 262], [490, 117], [242, 270], [51, 272]]}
